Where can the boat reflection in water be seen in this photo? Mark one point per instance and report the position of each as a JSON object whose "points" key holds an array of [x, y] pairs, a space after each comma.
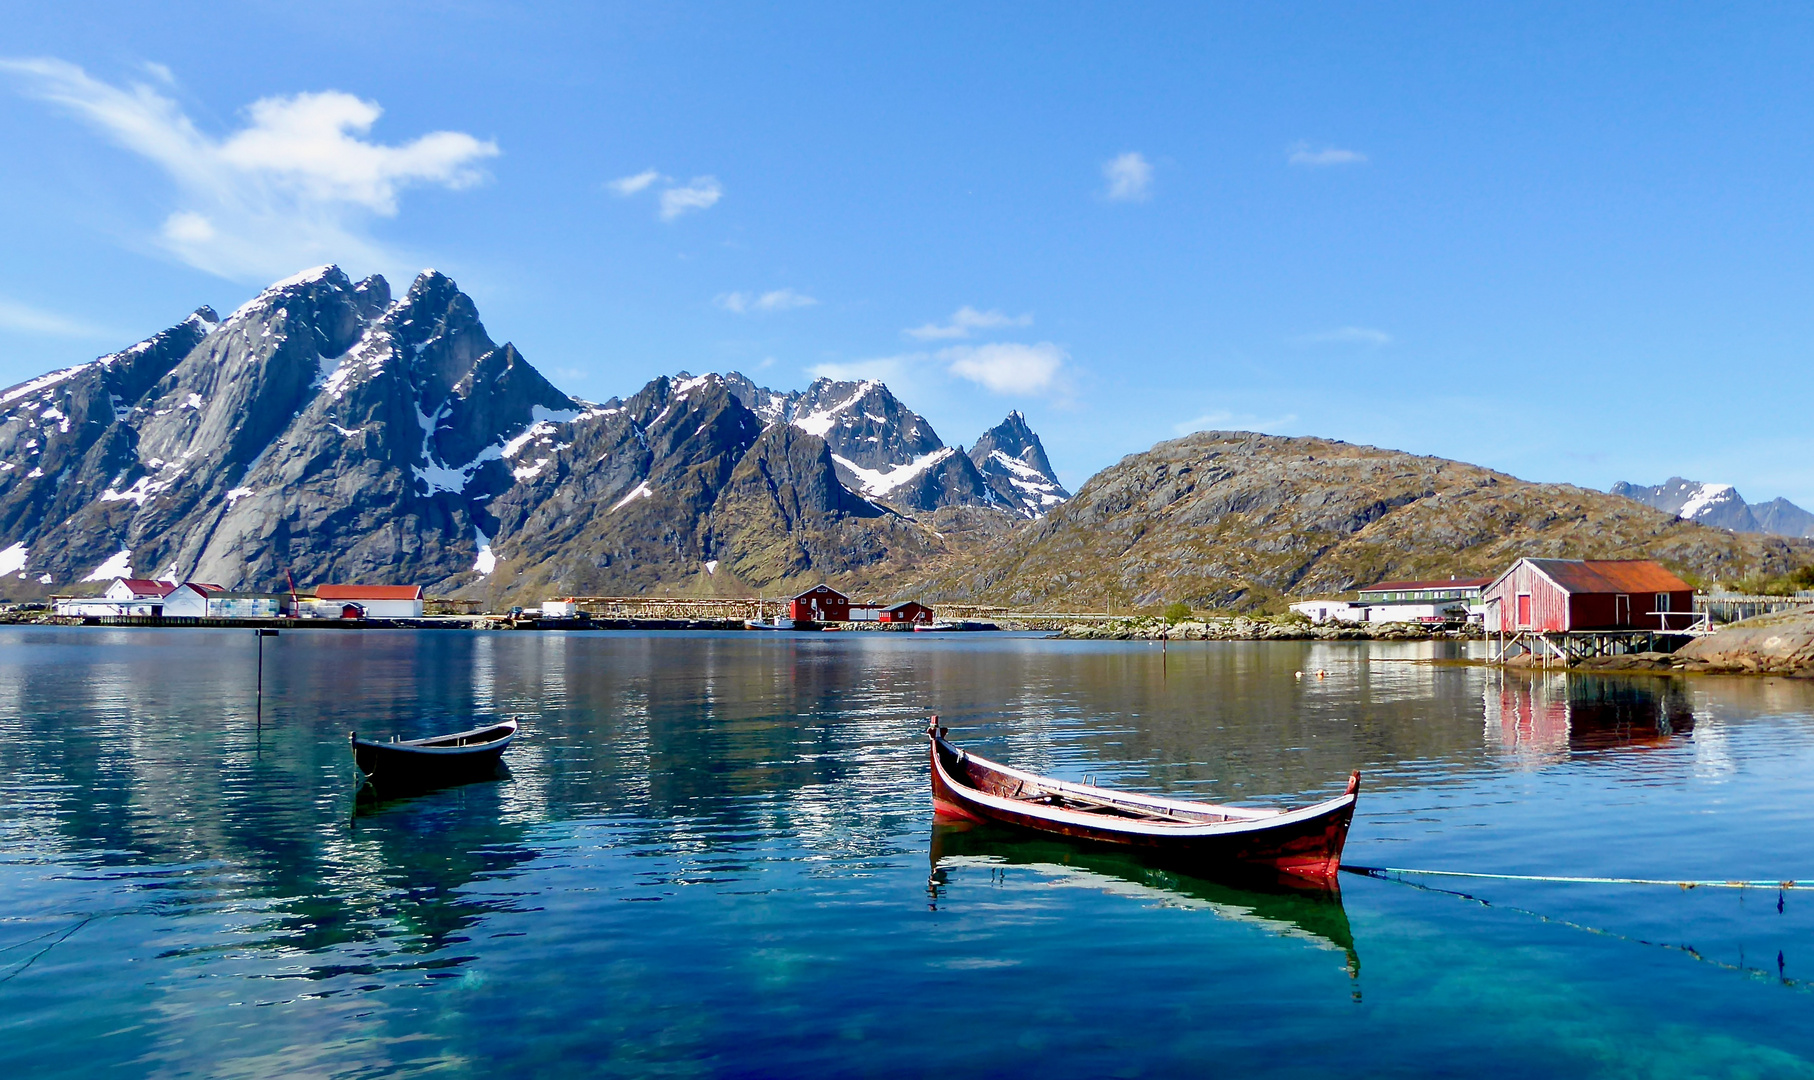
{"points": [[1284, 907]]}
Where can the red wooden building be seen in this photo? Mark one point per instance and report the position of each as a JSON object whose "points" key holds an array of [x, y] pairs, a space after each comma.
{"points": [[907, 612], [821, 603], [1563, 595]]}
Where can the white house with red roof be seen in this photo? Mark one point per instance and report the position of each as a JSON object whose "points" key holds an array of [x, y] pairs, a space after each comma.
{"points": [[368, 602], [204, 600]]}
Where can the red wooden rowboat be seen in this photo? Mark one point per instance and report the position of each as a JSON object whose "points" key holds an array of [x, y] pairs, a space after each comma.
{"points": [[1305, 843]]}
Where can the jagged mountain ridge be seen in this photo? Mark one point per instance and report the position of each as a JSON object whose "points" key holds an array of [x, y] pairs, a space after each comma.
{"points": [[887, 451], [325, 429], [1236, 520], [1720, 505]]}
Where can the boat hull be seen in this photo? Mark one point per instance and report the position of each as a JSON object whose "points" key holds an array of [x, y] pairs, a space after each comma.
{"points": [[417, 764], [1302, 844]]}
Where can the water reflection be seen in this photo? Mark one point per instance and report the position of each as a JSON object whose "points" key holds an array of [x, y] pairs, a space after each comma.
{"points": [[1539, 718], [1311, 915]]}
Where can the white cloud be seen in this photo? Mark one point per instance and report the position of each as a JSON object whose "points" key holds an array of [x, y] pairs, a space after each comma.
{"points": [[1130, 178], [1301, 154], [1223, 420], [698, 194], [626, 186], [964, 320], [1347, 335], [1008, 367], [25, 319], [295, 186], [777, 300]]}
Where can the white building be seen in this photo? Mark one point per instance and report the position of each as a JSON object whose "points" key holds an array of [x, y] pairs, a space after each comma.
{"points": [[368, 602], [201, 600], [126, 596], [1322, 611], [1424, 601]]}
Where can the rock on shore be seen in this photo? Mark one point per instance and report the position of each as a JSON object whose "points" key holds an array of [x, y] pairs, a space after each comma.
{"points": [[1779, 644]]}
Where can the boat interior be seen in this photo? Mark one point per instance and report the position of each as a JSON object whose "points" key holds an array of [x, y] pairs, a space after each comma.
{"points": [[1081, 798]]}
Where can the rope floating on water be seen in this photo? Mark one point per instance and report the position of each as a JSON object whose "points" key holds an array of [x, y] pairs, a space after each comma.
{"points": [[1383, 871]]}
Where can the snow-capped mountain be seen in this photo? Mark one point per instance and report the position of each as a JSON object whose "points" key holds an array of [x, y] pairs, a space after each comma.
{"points": [[327, 430], [889, 452], [1013, 463], [1721, 506]]}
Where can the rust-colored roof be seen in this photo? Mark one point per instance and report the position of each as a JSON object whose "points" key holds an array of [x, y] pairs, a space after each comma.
{"points": [[1448, 583], [148, 587], [821, 591], [1610, 576], [368, 592]]}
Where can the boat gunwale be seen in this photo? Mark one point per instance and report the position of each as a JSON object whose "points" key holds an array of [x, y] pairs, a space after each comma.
{"points": [[1249, 820], [429, 745]]}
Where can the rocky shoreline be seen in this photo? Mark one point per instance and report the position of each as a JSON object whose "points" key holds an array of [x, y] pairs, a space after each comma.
{"points": [[1250, 628]]}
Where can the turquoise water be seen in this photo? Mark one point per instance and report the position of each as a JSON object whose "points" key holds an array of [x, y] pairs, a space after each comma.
{"points": [[715, 856]]}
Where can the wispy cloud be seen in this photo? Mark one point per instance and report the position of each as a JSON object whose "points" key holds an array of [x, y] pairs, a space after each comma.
{"points": [[1008, 367], [1224, 420], [1301, 154], [1347, 335], [626, 186], [25, 319], [777, 300], [298, 184], [1130, 178], [674, 199], [964, 320], [699, 193]]}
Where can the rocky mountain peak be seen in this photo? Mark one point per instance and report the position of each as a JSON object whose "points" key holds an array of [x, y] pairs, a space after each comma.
{"points": [[1012, 462]]}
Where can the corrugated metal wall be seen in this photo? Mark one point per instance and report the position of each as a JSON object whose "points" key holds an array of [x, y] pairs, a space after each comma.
{"points": [[1549, 604]]}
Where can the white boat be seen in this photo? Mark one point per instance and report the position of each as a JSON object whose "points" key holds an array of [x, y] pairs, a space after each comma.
{"points": [[778, 624]]}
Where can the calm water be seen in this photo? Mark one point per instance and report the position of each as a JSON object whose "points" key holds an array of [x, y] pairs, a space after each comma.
{"points": [[715, 856]]}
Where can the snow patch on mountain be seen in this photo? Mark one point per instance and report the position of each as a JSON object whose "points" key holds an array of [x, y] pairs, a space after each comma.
{"points": [[12, 560], [640, 491], [120, 565], [879, 482]]}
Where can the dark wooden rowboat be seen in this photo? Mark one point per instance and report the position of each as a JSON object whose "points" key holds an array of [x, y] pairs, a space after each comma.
{"points": [[433, 762], [1305, 843]]}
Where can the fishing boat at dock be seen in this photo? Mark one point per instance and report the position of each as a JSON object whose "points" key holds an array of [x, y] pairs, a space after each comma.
{"points": [[1303, 844], [437, 761]]}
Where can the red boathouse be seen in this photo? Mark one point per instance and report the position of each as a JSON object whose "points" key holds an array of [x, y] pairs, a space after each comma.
{"points": [[1548, 596], [907, 612], [821, 603]]}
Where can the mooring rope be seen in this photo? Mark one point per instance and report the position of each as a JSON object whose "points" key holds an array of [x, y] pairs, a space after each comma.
{"points": [[1383, 871]]}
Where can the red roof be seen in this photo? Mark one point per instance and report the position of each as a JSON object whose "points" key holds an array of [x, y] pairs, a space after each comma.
{"points": [[148, 587], [368, 592], [1447, 583], [1610, 576], [203, 587]]}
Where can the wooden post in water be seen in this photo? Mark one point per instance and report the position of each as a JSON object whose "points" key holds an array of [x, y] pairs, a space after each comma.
{"points": [[261, 633]]}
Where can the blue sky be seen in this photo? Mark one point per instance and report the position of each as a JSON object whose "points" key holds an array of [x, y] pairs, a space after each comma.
{"points": [[1571, 244]]}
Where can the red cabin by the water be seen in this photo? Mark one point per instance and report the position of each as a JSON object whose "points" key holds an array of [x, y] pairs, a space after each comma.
{"points": [[910, 611], [1563, 595], [821, 603]]}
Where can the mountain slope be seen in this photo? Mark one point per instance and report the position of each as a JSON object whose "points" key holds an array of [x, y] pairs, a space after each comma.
{"points": [[320, 428], [1239, 520]]}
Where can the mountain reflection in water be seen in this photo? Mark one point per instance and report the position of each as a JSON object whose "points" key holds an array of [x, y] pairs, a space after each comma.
{"points": [[1314, 915]]}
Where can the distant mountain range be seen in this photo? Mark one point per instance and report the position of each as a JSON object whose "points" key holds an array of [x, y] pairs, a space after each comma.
{"points": [[1721, 506], [328, 431]]}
